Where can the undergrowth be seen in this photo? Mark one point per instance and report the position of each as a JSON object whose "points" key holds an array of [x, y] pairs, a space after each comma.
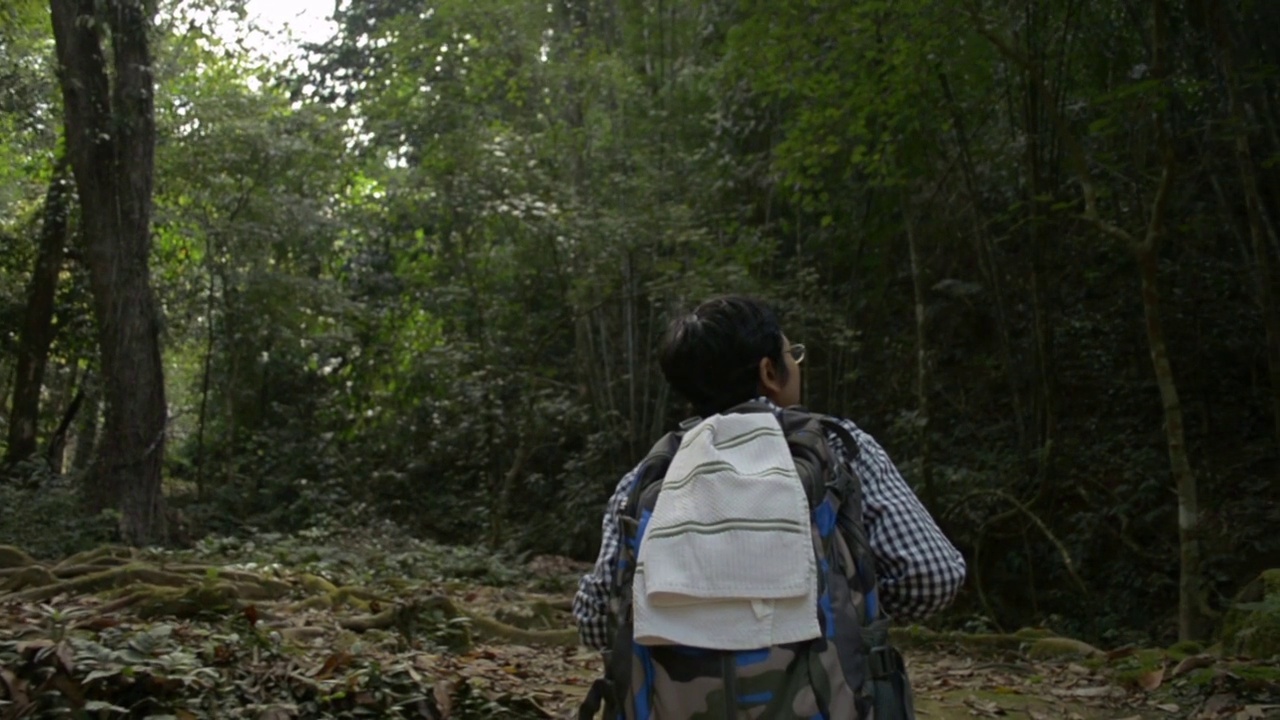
{"points": [[43, 513]]}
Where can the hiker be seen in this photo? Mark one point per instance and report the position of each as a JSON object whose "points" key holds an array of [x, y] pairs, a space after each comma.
{"points": [[799, 655]]}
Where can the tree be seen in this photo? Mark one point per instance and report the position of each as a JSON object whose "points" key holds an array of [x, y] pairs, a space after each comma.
{"points": [[37, 328], [110, 135], [1145, 247]]}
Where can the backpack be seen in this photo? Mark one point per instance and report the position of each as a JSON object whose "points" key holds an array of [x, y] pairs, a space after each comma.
{"points": [[849, 672]]}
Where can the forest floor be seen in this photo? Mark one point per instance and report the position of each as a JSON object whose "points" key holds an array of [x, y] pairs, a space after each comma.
{"points": [[323, 625]]}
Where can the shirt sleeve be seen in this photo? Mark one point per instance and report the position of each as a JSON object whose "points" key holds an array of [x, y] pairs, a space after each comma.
{"points": [[918, 569], [594, 603]]}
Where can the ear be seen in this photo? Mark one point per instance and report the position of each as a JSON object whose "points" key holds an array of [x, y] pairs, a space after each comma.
{"points": [[771, 383]]}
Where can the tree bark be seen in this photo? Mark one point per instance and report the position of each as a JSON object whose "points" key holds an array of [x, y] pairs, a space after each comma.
{"points": [[1189, 578], [37, 328], [1191, 602], [205, 377], [110, 126], [58, 440], [922, 361], [85, 435]]}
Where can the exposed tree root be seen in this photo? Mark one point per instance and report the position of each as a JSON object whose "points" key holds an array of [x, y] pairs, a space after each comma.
{"points": [[197, 601], [132, 574], [304, 635], [32, 576], [106, 554], [187, 591], [184, 591], [406, 617], [317, 584], [67, 572], [12, 557], [1034, 642], [562, 605]]}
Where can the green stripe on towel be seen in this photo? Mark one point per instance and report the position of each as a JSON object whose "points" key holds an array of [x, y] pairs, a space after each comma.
{"points": [[715, 528], [747, 437], [707, 468]]}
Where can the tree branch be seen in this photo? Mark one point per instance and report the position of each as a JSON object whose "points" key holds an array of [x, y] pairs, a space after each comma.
{"points": [[1040, 524]]}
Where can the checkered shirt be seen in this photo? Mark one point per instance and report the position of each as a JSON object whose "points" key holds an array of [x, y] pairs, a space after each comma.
{"points": [[918, 568]]}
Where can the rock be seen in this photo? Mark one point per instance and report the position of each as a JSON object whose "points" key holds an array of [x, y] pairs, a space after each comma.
{"points": [[1251, 627]]}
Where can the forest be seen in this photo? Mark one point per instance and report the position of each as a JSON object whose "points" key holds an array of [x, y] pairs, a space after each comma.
{"points": [[385, 308]]}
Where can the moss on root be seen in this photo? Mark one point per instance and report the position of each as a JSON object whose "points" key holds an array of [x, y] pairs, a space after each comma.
{"points": [[12, 557], [1251, 628], [1060, 648]]}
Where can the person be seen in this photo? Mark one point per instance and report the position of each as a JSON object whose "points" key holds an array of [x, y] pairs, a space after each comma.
{"points": [[731, 350]]}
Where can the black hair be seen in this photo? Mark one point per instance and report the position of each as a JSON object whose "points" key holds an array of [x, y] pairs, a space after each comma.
{"points": [[712, 356]]}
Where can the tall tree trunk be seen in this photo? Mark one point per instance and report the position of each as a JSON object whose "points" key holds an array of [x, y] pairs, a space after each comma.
{"points": [[922, 361], [58, 440], [85, 435], [37, 328], [206, 373], [1191, 602], [629, 327], [110, 126], [1190, 582], [1263, 274]]}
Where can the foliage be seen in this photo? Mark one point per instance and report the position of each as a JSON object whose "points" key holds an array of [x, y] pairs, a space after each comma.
{"points": [[43, 514], [81, 652], [418, 275], [377, 555], [87, 652]]}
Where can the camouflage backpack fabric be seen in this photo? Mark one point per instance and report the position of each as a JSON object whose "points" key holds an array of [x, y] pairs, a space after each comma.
{"points": [[849, 672]]}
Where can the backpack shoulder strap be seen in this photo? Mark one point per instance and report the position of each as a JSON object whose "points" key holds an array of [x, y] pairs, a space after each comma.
{"points": [[838, 429], [653, 467], [843, 480], [611, 690]]}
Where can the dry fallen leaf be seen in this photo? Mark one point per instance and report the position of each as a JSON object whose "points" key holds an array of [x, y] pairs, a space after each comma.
{"points": [[332, 664], [1258, 712], [1195, 662], [1088, 692], [443, 691], [1151, 680], [983, 707], [1119, 653], [1220, 703]]}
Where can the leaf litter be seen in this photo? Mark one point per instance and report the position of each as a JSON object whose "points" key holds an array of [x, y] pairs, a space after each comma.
{"points": [[279, 659]]}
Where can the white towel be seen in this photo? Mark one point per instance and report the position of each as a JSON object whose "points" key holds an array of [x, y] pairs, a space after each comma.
{"points": [[726, 560]]}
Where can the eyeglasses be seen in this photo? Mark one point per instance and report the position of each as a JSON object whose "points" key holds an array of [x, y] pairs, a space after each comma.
{"points": [[796, 351]]}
